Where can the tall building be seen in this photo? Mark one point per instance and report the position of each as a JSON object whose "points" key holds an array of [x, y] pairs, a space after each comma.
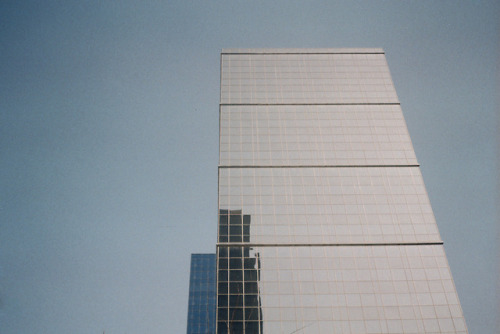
{"points": [[325, 225], [202, 294]]}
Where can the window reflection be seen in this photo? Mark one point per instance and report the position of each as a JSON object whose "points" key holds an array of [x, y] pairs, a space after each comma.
{"points": [[238, 274], [234, 226]]}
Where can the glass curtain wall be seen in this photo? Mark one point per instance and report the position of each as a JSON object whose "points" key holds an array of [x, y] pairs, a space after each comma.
{"points": [[324, 225], [202, 294]]}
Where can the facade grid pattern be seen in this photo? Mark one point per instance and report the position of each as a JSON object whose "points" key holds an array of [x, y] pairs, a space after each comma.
{"points": [[325, 225], [202, 294]]}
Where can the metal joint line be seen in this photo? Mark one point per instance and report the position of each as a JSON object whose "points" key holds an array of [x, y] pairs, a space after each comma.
{"points": [[309, 104], [302, 53], [315, 166], [242, 244]]}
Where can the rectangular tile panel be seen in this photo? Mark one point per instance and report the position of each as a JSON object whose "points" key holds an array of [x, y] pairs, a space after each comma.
{"points": [[309, 79], [346, 289], [324, 205], [314, 135]]}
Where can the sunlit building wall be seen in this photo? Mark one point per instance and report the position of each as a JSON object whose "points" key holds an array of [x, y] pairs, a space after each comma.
{"points": [[325, 225]]}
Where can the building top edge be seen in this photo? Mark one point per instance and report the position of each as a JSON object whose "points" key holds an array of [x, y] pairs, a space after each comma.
{"points": [[302, 51]]}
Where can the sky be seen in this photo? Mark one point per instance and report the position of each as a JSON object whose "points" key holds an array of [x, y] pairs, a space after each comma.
{"points": [[109, 144]]}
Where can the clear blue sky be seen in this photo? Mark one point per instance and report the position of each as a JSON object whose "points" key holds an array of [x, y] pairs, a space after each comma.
{"points": [[109, 144]]}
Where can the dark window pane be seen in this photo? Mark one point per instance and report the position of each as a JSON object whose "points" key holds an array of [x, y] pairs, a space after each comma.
{"points": [[235, 230], [222, 327], [222, 275], [236, 288], [246, 251], [222, 230], [223, 263], [250, 263], [251, 300], [235, 263], [235, 252], [235, 219], [222, 313], [236, 300], [235, 314], [222, 301], [222, 252], [236, 275], [223, 288], [251, 287], [250, 275], [246, 229], [223, 220], [251, 314], [235, 238], [252, 327]]}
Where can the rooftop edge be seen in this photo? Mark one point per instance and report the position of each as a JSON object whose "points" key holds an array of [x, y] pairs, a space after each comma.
{"points": [[303, 51]]}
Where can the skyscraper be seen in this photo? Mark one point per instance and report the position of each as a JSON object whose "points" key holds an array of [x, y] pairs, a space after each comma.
{"points": [[202, 294], [325, 225]]}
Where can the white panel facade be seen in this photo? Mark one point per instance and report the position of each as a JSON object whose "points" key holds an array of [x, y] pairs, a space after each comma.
{"points": [[330, 205], [306, 79], [299, 135], [325, 225]]}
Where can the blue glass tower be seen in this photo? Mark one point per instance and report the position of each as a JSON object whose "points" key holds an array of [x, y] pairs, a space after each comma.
{"points": [[202, 294]]}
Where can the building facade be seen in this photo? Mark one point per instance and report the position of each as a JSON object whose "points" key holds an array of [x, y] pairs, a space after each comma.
{"points": [[202, 294], [324, 225]]}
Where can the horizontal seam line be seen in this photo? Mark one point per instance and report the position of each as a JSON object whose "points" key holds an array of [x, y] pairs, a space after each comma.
{"points": [[317, 166], [330, 244], [302, 53], [309, 104]]}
